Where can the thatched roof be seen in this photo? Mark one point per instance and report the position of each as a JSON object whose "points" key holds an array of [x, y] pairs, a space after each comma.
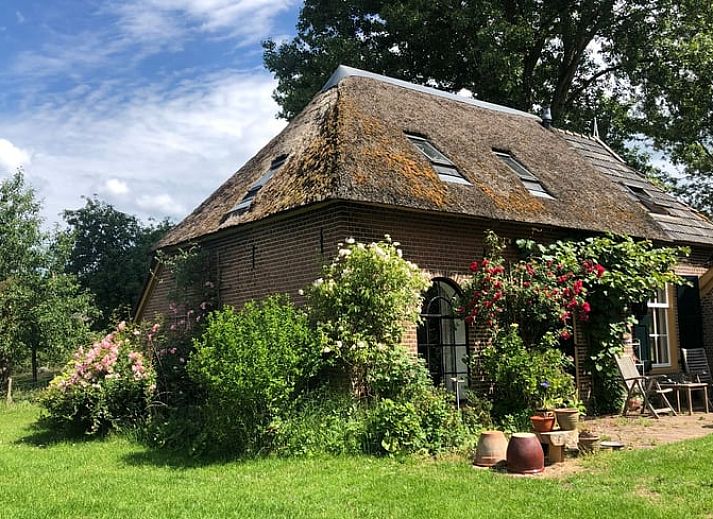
{"points": [[349, 144]]}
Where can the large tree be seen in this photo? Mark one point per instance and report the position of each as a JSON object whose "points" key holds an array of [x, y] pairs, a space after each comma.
{"points": [[642, 68], [43, 311], [110, 253]]}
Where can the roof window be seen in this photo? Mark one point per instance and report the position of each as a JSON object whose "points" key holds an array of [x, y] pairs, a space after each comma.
{"points": [[247, 200], [446, 170], [647, 200], [530, 181]]}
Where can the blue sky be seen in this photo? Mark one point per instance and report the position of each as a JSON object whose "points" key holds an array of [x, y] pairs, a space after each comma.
{"points": [[150, 104]]}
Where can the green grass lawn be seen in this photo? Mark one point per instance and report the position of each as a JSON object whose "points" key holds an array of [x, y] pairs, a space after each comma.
{"points": [[118, 478]]}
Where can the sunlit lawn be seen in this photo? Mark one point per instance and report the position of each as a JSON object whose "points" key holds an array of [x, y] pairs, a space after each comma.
{"points": [[41, 477]]}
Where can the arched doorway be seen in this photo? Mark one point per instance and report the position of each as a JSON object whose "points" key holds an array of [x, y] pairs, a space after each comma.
{"points": [[442, 337]]}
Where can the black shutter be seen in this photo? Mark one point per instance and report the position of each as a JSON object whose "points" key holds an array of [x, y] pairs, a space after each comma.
{"points": [[690, 324]]}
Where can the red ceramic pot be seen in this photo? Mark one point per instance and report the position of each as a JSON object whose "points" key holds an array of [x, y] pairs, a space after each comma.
{"points": [[525, 454], [542, 423], [492, 447]]}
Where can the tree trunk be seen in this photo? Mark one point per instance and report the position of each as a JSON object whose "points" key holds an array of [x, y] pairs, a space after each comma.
{"points": [[34, 363]]}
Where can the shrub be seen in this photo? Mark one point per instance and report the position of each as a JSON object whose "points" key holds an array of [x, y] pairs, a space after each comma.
{"points": [[524, 378], [252, 364], [364, 302], [322, 421], [106, 386]]}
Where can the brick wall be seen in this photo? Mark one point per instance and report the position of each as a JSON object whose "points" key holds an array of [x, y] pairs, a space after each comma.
{"points": [[285, 253]]}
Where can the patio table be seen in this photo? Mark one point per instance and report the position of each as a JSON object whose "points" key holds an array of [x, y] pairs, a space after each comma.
{"points": [[688, 388]]}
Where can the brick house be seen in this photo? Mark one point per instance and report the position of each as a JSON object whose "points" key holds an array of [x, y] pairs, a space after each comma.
{"points": [[371, 155]]}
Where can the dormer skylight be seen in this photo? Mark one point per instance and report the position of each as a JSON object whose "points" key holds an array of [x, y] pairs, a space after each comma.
{"points": [[446, 170], [647, 200], [530, 181], [247, 200]]}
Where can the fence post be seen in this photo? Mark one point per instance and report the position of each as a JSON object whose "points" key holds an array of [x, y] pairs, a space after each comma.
{"points": [[8, 398]]}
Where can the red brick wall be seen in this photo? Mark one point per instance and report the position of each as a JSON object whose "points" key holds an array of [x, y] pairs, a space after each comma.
{"points": [[285, 253]]}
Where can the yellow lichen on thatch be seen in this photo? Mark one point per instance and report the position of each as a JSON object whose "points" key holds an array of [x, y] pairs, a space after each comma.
{"points": [[379, 148]]}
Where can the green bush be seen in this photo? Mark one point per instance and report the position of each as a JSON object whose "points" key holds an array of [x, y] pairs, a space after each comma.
{"points": [[322, 421], [366, 299], [525, 379], [252, 364], [106, 386]]}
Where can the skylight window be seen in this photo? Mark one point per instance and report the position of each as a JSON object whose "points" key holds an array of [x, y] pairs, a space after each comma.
{"points": [[530, 181], [647, 200], [247, 200], [446, 170]]}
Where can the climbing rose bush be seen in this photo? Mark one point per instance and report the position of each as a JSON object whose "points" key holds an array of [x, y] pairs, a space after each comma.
{"points": [[107, 385], [541, 294]]}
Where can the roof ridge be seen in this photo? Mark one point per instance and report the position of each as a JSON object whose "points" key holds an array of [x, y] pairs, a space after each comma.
{"points": [[343, 71]]}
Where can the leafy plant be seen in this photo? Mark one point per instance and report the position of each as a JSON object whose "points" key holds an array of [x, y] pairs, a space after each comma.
{"points": [[363, 303], [251, 365], [525, 378], [103, 387]]}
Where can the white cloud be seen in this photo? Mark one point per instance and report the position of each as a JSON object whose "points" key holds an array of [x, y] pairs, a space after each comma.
{"points": [[248, 20], [20, 17], [162, 203], [172, 145], [143, 28], [12, 157], [114, 186]]}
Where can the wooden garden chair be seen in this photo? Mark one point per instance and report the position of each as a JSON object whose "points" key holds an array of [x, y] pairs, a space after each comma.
{"points": [[647, 388], [695, 364]]}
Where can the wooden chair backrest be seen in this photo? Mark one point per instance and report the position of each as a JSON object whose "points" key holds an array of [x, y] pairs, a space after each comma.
{"points": [[695, 362], [628, 370]]}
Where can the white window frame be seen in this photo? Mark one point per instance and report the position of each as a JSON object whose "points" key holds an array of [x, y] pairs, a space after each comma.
{"points": [[655, 306]]}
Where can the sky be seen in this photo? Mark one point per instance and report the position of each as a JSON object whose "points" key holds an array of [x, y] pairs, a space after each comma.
{"points": [[149, 104]]}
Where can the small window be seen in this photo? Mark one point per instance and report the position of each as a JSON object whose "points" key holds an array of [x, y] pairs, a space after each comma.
{"points": [[647, 200], [530, 181], [247, 200], [444, 167]]}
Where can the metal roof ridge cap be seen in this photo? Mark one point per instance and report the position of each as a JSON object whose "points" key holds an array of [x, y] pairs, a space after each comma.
{"points": [[344, 71]]}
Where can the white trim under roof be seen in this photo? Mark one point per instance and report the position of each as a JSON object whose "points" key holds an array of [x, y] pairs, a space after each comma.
{"points": [[343, 71]]}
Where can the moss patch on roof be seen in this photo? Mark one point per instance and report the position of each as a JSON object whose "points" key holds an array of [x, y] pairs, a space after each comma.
{"points": [[350, 144]]}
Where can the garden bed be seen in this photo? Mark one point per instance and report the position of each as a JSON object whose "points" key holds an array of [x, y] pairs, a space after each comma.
{"points": [[639, 432]]}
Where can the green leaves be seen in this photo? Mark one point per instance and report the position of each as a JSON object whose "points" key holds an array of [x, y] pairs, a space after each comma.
{"points": [[43, 311], [110, 255]]}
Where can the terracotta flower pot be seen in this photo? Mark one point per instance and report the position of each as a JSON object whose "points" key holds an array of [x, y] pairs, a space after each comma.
{"points": [[567, 418], [588, 442], [492, 448], [525, 454], [542, 423]]}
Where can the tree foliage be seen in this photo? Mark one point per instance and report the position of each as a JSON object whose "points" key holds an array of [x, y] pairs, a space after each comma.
{"points": [[642, 68], [109, 254], [43, 311]]}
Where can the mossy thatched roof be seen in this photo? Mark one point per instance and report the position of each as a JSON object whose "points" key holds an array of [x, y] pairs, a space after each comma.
{"points": [[349, 144]]}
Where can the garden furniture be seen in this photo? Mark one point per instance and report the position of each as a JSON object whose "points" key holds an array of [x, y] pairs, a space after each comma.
{"points": [[687, 388], [695, 363], [647, 387]]}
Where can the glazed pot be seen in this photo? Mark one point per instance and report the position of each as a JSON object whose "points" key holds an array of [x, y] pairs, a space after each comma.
{"points": [[525, 454], [542, 423], [567, 418], [492, 448]]}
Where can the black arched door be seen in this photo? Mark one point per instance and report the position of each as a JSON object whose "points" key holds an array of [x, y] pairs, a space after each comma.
{"points": [[442, 337]]}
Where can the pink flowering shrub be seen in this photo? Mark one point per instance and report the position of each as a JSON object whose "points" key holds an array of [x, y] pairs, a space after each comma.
{"points": [[105, 386]]}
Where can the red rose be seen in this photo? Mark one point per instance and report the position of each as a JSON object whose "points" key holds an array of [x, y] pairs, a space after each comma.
{"points": [[565, 335], [600, 270], [586, 307], [474, 266]]}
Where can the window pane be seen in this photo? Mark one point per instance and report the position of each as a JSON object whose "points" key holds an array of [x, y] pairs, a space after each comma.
{"points": [[431, 152], [658, 336]]}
